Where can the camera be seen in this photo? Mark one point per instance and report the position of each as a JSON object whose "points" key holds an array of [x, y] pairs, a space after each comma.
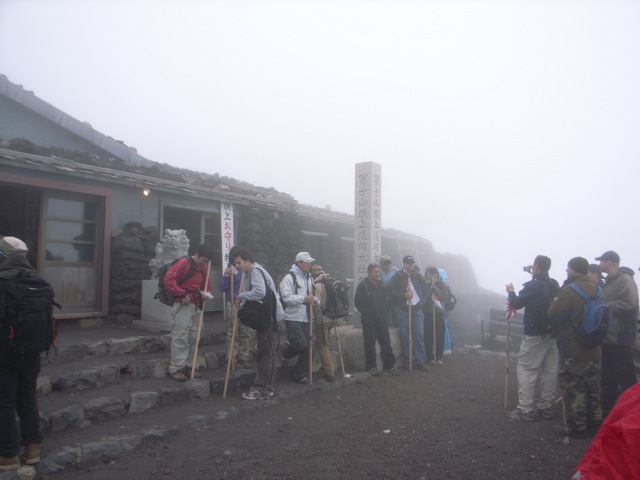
{"points": [[527, 268]]}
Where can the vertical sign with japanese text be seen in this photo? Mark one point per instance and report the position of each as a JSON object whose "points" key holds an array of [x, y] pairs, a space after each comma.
{"points": [[367, 237], [226, 227]]}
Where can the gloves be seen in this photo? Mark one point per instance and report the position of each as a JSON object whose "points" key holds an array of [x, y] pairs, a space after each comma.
{"points": [[206, 295]]}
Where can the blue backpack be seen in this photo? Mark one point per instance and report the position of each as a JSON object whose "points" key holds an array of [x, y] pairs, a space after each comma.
{"points": [[596, 317]]}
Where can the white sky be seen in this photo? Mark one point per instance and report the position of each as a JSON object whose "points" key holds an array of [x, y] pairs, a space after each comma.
{"points": [[505, 129]]}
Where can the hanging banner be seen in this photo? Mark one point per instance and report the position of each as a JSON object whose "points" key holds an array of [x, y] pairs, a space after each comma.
{"points": [[226, 227]]}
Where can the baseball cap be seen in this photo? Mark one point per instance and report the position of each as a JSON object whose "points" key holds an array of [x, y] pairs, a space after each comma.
{"points": [[609, 255], [408, 259], [385, 258], [304, 257], [11, 246], [595, 268]]}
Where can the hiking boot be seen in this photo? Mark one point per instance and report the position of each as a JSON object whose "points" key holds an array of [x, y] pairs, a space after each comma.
{"points": [[391, 371], [178, 376], [547, 413], [521, 414], [255, 394], [328, 378], [422, 367], [32, 453], [187, 373], [374, 371], [302, 380], [9, 463]]}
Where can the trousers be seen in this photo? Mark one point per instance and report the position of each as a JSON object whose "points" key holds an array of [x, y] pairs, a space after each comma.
{"points": [[184, 329], [18, 375], [538, 357], [580, 385]]}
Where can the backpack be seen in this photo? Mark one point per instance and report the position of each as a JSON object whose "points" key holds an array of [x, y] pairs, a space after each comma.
{"points": [[260, 314], [450, 301], [295, 291], [27, 315], [596, 317], [164, 295], [337, 305]]}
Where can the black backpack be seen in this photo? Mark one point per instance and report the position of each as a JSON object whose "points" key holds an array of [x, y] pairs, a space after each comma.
{"points": [[450, 301], [164, 295], [337, 305], [26, 311]]}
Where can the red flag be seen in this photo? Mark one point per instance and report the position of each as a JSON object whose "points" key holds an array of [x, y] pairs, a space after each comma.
{"points": [[510, 311]]}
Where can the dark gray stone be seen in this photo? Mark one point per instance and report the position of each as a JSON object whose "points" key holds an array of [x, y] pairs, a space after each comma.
{"points": [[105, 408]]}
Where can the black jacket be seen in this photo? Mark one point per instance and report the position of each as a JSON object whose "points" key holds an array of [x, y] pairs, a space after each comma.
{"points": [[371, 300], [535, 296], [397, 288]]}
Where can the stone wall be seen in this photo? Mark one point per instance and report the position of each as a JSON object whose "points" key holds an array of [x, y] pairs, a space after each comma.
{"points": [[131, 252], [274, 238]]}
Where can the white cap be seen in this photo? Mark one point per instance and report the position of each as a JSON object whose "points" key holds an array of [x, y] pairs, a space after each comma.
{"points": [[11, 246], [304, 257]]}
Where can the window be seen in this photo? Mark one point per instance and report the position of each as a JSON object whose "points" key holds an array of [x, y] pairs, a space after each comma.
{"points": [[71, 230]]}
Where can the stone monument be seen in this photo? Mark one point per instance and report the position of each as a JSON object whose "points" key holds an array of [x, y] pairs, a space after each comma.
{"points": [[367, 235]]}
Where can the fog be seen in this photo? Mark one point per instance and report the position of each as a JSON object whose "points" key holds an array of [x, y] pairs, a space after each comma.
{"points": [[505, 129]]}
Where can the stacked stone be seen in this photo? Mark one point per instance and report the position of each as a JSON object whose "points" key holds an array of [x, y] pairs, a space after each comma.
{"points": [[274, 238], [131, 252]]}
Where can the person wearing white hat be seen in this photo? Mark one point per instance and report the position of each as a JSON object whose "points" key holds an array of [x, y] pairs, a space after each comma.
{"points": [[18, 374], [296, 290]]}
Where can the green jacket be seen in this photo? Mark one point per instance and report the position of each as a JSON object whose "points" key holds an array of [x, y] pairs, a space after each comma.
{"points": [[621, 294], [565, 314]]}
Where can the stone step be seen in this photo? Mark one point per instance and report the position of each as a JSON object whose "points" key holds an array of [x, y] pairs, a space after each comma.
{"points": [[109, 425], [94, 372], [63, 410]]}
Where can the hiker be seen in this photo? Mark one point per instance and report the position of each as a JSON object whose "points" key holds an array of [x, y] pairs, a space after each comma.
{"points": [[257, 280], [322, 324], [296, 290], [447, 337], [595, 275], [433, 310], [386, 274], [538, 356], [18, 373], [406, 291], [185, 281], [621, 294], [371, 301], [243, 336], [579, 372]]}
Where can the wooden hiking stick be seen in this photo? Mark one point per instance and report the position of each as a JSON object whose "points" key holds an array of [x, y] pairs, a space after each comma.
{"points": [[234, 324], [310, 344], [435, 357], [410, 330], [339, 349], [195, 347], [506, 364]]}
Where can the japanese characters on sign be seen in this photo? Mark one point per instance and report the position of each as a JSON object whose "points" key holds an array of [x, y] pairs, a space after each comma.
{"points": [[226, 227], [368, 225]]}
